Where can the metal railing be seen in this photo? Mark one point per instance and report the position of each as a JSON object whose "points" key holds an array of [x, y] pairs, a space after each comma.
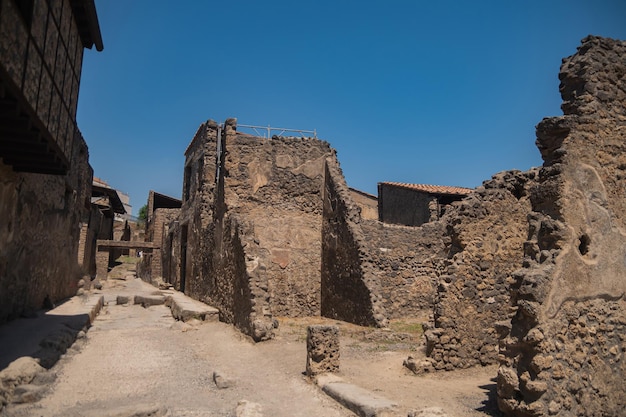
{"points": [[266, 131]]}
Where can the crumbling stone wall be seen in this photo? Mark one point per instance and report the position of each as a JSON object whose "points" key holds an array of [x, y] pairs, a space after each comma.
{"points": [[564, 354], [349, 290], [486, 233], [39, 233], [194, 235]]}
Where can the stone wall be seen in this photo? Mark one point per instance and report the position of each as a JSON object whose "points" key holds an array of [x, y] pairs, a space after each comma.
{"points": [[275, 185], [371, 271], [486, 234], [39, 233], [212, 265], [248, 237], [407, 262], [564, 354], [89, 229], [195, 240], [349, 290], [152, 266]]}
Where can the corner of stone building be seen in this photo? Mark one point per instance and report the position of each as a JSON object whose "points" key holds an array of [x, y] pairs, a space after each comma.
{"points": [[564, 352], [350, 290]]}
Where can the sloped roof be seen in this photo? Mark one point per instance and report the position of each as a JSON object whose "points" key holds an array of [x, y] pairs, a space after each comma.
{"points": [[98, 191], [86, 19], [164, 201], [431, 189]]}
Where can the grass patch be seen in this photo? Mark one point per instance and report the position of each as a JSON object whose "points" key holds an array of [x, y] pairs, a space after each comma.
{"points": [[414, 328], [128, 259]]}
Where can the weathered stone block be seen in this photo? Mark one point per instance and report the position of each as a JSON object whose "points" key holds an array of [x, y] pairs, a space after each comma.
{"points": [[322, 349]]}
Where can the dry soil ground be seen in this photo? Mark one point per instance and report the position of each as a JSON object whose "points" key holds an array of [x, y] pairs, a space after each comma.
{"points": [[134, 359]]}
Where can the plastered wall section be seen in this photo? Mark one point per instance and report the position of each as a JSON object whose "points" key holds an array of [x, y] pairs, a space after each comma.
{"points": [[367, 203], [274, 186], [406, 207], [564, 354]]}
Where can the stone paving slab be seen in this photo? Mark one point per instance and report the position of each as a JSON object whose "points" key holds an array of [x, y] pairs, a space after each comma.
{"points": [[185, 308], [149, 300], [362, 402]]}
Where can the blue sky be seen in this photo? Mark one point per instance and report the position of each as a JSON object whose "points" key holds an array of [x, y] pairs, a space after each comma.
{"points": [[438, 92]]}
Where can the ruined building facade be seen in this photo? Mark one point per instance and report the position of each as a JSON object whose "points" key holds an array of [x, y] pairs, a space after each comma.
{"points": [[526, 270], [564, 353], [268, 228], [485, 237], [45, 177], [247, 239]]}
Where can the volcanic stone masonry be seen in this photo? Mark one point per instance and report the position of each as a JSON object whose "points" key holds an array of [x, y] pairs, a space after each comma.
{"points": [[268, 228], [486, 234], [565, 352], [248, 237]]}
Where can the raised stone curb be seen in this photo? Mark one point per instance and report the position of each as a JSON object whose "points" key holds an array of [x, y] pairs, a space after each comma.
{"points": [[362, 402], [77, 306], [185, 308], [63, 325]]}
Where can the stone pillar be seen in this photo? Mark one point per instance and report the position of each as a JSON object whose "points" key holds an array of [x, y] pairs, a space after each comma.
{"points": [[322, 344], [82, 245], [102, 264]]}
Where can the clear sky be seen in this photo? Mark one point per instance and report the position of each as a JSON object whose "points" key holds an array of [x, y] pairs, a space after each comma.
{"points": [[435, 92]]}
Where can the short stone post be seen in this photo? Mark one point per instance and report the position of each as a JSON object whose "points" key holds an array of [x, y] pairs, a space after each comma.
{"points": [[322, 344], [102, 264]]}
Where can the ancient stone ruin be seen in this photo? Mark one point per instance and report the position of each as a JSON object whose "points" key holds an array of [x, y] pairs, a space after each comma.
{"points": [[527, 270], [45, 176], [486, 234], [322, 347], [564, 352]]}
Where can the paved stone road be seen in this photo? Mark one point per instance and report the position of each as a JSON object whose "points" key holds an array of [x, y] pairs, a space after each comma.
{"points": [[139, 361]]}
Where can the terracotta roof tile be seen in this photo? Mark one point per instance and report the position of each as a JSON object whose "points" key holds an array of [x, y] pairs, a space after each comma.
{"points": [[432, 189]]}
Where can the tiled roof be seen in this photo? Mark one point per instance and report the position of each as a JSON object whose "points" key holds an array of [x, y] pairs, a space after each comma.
{"points": [[432, 189]]}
